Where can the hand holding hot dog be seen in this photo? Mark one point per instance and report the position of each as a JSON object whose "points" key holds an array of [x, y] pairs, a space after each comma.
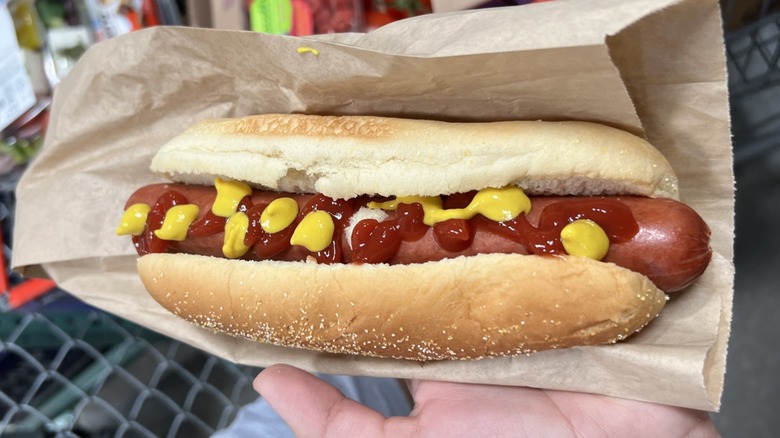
{"points": [[313, 408]]}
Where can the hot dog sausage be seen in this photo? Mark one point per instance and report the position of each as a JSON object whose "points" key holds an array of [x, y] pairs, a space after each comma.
{"points": [[670, 246]]}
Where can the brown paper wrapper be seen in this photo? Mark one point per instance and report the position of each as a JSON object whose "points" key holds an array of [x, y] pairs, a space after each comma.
{"points": [[653, 68]]}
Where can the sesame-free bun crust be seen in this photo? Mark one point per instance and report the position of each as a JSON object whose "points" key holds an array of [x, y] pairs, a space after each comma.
{"points": [[347, 156], [462, 308]]}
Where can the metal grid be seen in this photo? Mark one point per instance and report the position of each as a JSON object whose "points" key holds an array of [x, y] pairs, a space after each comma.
{"points": [[67, 369], [77, 371], [753, 60], [754, 56]]}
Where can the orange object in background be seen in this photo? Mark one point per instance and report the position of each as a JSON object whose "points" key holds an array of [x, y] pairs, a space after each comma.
{"points": [[376, 19], [149, 11], [335, 16], [302, 19], [17, 296], [381, 12], [28, 291]]}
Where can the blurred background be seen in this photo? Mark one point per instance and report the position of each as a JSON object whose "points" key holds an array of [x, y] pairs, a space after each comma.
{"points": [[751, 400], [67, 369]]}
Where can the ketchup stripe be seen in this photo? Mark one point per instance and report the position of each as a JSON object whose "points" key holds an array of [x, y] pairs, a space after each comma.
{"points": [[375, 242]]}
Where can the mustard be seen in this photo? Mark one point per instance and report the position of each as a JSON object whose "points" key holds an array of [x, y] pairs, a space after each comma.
{"points": [[315, 232], [236, 228], [134, 220], [279, 214], [313, 51], [229, 195], [495, 204], [177, 222], [585, 238]]}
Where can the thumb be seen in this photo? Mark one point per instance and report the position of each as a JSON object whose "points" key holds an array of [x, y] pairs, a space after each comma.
{"points": [[313, 407]]}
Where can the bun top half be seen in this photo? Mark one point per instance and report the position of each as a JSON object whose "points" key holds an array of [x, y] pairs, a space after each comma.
{"points": [[348, 156]]}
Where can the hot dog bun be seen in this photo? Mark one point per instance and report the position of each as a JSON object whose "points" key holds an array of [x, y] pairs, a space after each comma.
{"points": [[463, 308], [344, 157]]}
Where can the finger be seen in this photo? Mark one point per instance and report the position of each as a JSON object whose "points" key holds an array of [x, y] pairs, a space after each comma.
{"points": [[426, 390], [493, 410], [592, 413], [313, 407]]}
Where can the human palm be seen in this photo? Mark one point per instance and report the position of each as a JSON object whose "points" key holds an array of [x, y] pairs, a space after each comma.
{"points": [[314, 408]]}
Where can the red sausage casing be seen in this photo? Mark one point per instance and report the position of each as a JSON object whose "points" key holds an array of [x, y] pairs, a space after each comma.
{"points": [[671, 247]]}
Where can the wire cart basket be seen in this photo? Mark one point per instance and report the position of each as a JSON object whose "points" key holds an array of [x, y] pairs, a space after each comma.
{"points": [[753, 56], [67, 369]]}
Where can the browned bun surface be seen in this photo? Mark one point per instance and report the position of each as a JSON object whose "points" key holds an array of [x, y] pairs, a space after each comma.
{"points": [[462, 308], [348, 156]]}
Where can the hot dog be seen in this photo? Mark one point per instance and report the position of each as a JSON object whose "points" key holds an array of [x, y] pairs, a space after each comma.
{"points": [[670, 245], [583, 250]]}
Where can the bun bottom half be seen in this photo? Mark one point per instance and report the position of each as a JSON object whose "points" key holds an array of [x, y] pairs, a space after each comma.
{"points": [[461, 308]]}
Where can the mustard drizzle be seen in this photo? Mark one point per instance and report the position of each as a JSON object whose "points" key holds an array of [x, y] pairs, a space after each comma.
{"points": [[582, 238]]}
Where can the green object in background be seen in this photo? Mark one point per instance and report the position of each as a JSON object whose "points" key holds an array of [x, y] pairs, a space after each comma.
{"points": [[26, 22], [52, 13], [20, 149], [271, 16]]}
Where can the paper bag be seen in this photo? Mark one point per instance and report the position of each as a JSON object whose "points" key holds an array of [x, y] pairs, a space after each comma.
{"points": [[653, 68]]}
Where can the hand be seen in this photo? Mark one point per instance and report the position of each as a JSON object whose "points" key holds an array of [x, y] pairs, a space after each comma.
{"points": [[314, 408]]}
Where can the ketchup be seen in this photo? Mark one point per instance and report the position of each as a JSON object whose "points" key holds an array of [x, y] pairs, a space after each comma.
{"points": [[341, 210], [375, 242], [148, 242], [378, 242], [613, 216], [264, 245], [209, 224], [455, 235]]}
